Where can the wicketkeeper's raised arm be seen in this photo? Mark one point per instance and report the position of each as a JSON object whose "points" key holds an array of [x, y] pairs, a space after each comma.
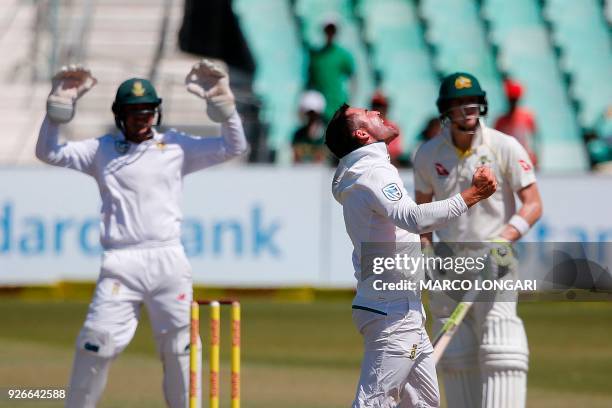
{"points": [[232, 133], [209, 81], [69, 84], [390, 199]]}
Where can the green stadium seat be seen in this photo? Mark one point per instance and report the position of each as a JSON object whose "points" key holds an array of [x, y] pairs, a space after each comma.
{"points": [[526, 54], [269, 28], [458, 35], [580, 30], [400, 55]]}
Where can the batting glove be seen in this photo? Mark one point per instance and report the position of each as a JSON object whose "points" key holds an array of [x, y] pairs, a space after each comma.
{"points": [[68, 85], [210, 82], [502, 255]]}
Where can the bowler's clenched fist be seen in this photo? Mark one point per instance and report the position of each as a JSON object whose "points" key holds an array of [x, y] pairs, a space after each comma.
{"points": [[484, 182]]}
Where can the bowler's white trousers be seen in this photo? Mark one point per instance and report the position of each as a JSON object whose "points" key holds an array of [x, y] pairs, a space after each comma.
{"points": [[397, 368]]}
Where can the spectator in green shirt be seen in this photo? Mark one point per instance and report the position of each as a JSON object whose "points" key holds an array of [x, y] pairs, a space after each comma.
{"points": [[330, 70]]}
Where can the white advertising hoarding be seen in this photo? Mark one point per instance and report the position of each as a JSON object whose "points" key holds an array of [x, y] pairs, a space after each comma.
{"points": [[243, 226]]}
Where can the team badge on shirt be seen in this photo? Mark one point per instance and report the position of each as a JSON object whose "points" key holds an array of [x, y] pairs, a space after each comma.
{"points": [[121, 146], [441, 170], [392, 192], [484, 160], [525, 165]]}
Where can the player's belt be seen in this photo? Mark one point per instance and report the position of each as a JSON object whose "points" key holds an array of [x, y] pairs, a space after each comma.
{"points": [[369, 309]]}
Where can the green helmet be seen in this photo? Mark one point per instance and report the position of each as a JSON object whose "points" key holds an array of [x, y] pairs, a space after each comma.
{"points": [[458, 85], [135, 91]]}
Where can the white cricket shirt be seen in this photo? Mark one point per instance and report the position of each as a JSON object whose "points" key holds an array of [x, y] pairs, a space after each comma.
{"points": [[440, 168], [377, 209], [141, 184]]}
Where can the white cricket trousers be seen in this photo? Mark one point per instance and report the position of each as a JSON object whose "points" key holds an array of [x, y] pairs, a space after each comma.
{"points": [[159, 278], [397, 368]]}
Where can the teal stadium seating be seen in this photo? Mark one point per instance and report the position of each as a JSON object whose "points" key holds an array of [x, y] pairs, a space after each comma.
{"points": [[526, 53], [457, 32], [274, 40], [486, 37], [580, 31], [400, 55]]}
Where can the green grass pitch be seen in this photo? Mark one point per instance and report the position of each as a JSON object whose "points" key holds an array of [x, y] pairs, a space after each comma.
{"points": [[303, 355]]}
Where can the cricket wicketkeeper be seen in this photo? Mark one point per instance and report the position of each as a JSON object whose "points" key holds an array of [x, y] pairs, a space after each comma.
{"points": [[485, 364], [139, 172], [397, 368]]}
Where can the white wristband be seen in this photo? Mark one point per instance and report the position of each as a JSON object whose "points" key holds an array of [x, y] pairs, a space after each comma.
{"points": [[520, 224]]}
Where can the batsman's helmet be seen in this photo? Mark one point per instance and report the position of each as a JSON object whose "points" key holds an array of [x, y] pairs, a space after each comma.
{"points": [[136, 91], [458, 85]]}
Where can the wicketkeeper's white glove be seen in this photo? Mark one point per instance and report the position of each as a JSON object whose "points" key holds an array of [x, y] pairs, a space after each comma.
{"points": [[210, 82], [68, 85]]}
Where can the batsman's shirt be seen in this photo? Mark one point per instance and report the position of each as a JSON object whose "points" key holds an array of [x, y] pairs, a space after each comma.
{"points": [[442, 169], [141, 184], [377, 209]]}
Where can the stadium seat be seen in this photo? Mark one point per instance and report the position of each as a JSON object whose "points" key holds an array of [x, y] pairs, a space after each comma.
{"points": [[581, 42], [269, 28], [526, 54], [458, 36], [400, 55]]}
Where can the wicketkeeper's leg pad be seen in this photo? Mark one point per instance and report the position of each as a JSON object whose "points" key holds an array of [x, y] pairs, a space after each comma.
{"points": [[173, 348], [94, 353]]}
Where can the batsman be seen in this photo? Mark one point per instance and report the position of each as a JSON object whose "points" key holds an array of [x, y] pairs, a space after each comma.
{"points": [[139, 172], [485, 364]]}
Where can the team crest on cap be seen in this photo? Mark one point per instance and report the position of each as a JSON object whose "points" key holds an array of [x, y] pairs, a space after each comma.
{"points": [[138, 89], [392, 192], [463, 82]]}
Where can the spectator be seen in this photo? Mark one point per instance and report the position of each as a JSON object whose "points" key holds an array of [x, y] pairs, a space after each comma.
{"points": [[599, 143], [430, 130], [329, 70], [518, 121], [308, 141], [380, 103]]}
